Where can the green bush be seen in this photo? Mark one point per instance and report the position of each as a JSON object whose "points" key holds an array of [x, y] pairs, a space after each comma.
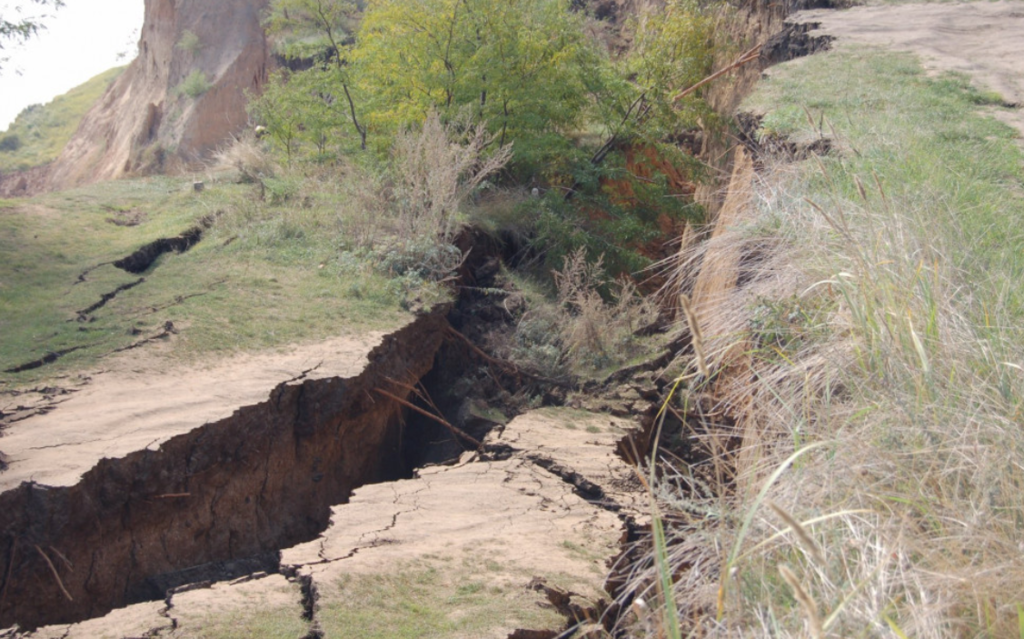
{"points": [[194, 85], [10, 143], [189, 42]]}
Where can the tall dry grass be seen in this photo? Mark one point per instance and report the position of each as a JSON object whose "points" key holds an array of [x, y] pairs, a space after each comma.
{"points": [[876, 394], [435, 167], [596, 332]]}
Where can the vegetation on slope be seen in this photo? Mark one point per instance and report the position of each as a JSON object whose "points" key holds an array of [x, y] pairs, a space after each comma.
{"points": [[871, 485], [41, 131], [266, 273], [585, 128]]}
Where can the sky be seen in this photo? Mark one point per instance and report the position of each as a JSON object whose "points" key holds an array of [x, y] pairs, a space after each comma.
{"points": [[82, 40]]}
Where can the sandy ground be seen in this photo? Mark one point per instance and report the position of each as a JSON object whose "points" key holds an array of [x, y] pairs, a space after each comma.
{"points": [[982, 39], [138, 402]]}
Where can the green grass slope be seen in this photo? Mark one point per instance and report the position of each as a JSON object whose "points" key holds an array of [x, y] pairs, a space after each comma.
{"points": [[263, 275], [41, 131]]}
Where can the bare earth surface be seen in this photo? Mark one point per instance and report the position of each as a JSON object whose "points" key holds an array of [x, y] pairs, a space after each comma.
{"points": [[458, 551], [138, 404], [983, 39]]}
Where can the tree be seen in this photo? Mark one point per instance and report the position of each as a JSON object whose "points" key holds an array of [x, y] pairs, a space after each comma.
{"points": [[320, 31], [21, 27], [525, 67]]}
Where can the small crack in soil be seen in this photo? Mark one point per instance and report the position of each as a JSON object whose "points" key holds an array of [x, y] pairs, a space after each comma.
{"points": [[166, 613], [88, 441], [310, 604], [81, 276], [168, 330], [49, 358], [303, 374], [83, 315]]}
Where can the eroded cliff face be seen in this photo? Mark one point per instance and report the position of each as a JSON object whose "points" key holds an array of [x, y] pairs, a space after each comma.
{"points": [[147, 122]]}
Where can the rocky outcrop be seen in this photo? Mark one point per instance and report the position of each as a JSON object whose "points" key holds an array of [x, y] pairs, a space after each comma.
{"points": [[150, 119]]}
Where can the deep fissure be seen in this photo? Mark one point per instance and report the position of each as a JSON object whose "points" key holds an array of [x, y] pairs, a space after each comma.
{"points": [[141, 259], [212, 504]]}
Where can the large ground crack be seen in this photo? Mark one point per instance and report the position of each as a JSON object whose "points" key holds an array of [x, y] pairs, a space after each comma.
{"points": [[232, 493], [143, 258]]}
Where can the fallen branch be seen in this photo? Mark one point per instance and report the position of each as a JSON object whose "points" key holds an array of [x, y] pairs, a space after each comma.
{"points": [[55, 575], [429, 415], [10, 569], [420, 391], [508, 366], [749, 56]]}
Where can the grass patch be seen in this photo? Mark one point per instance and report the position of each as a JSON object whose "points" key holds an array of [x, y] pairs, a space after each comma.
{"points": [[873, 488], [273, 613], [194, 85], [263, 276], [40, 132], [281, 623], [426, 599]]}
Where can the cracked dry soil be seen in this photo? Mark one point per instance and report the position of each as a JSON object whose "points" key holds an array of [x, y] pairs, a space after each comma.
{"points": [[498, 527], [148, 479], [205, 500]]}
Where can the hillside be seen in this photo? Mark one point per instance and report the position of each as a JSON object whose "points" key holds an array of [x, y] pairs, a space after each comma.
{"points": [[531, 320], [40, 132], [181, 98]]}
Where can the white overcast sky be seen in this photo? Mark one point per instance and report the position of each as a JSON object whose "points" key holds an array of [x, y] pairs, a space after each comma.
{"points": [[82, 39]]}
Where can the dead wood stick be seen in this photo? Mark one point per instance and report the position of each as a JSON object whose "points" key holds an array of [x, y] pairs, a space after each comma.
{"points": [[422, 394], [476, 349], [508, 366], [10, 569], [439, 420], [749, 56], [67, 562], [55, 575]]}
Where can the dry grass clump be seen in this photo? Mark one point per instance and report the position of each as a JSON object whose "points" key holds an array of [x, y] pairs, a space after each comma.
{"points": [[880, 415], [406, 217], [594, 332], [434, 169], [589, 327], [861, 422], [247, 155]]}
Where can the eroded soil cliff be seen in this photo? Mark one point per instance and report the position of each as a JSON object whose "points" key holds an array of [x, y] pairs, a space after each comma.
{"points": [[151, 119]]}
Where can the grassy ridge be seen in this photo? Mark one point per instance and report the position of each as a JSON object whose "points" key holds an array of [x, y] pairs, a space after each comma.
{"points": [[42, 131], [263, 275], [876, 486]]}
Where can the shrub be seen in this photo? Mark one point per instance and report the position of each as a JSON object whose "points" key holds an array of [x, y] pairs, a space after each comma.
{"points": [[248, 155], [194, 85], [10, 143], [189, 42]]}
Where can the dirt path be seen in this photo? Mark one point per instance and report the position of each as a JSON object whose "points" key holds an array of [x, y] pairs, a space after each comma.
{"points": [[982, 39]]}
